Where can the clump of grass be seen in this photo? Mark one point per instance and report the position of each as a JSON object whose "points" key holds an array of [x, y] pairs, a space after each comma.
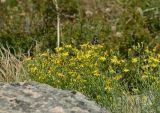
{"points": [[11, 66]]}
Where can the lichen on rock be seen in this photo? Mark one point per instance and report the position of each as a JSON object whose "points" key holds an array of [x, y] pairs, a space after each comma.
{"points": [[33, 97]]}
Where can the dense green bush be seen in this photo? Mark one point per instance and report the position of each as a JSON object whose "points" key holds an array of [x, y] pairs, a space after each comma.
{"points": [[32, 24], [103, 75], [118, 75]]}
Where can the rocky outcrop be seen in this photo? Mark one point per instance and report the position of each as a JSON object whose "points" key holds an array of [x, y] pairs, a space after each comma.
{"points": [[33, 97]]}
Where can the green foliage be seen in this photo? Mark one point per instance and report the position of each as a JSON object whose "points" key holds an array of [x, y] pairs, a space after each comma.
{"points": [[117, 24], [110, 72], [103, 72]]}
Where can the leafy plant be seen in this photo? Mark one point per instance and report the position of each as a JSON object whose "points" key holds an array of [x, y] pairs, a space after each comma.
{"points": [[103, 75]]}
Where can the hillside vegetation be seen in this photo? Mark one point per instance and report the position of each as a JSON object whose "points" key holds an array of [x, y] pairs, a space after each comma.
{"points": [[106, 49]]}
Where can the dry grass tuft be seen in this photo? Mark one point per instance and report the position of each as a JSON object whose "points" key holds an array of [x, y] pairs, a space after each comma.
{"points": [[11, 66]]}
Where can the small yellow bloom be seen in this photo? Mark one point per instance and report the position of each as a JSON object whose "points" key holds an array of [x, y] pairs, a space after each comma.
{"points": [[147, 50], [144, 99], [44, 54], [87, 56], [111, 70], [108, 88], [134, 60], [154, 49], [60, 74], [59, 49], [154, 65], [65, 54], [82, 65], [96, 73], [117, 77], [125, 70], [96, 64], [78, 77], [49, 72], [158, 55], [98, 97], [100, 46], [153, 59], [57, 61], [85, 46], [129, 50], [108, 85], [33, 69], [102, 58], [106, 53], [115, 60], [29, 58], [40, 78], [68, 46], [145, 67], [144, 77], [122, 61], [154, 78]]}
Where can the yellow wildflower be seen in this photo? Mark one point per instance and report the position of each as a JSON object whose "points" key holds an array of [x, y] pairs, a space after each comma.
{"points": [[41, 77], [82, 65], [78, 77], [106, 53], [98, 97], [49, 72], [158, 55], [87, 56], [100, 46], [134, 60], [154, 65], [154, 59], [144, 77], [65, 54], [145, 67], [144, 99], [102, 58], [44, 54], [108, 88], [125, 70], [122, 61], [154, 49], [117, 77], [57, 61], [60, 74], [85, 46], [147, 50], [29, 58], [115, 60], [111, 70], [96, 64], [33, 69], [96, 73], [59, 49], [153, 77], [108, 85], [68, 46]]}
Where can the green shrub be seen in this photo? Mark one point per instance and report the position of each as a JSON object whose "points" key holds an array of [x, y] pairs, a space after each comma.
{"points": [[104, 76]]}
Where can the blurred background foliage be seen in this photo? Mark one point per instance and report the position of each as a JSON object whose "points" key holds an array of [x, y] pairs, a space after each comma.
{"points": [[30, 25]]}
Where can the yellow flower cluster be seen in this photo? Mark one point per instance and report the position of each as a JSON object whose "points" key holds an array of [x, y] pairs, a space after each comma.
{"points": [[82, 68]]}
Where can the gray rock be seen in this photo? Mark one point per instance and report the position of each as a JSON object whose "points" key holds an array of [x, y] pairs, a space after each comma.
{"points": [[33, 97]]}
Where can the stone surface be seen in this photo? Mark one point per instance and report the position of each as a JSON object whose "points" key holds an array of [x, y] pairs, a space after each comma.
{"points": [[33, 97]]}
